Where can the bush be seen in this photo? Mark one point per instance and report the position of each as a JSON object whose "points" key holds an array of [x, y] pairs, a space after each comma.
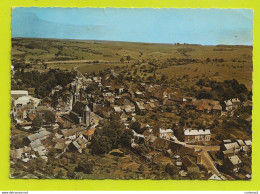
{"points": [[100, 144], [86, 167], [171, 170], [127, 137]]}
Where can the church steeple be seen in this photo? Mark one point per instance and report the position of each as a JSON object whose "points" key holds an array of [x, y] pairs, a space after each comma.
{"points": [[87, 116]]}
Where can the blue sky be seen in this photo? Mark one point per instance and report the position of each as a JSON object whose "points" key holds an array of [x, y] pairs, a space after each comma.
{"points": [[193, 26]]}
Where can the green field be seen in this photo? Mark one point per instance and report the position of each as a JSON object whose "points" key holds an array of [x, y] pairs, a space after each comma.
{"points": [[215, 62]]}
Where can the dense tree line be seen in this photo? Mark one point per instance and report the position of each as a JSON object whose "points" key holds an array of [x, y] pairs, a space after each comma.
{"points": [[45, 117], [42, 82], [110, 137], [223, 90]]}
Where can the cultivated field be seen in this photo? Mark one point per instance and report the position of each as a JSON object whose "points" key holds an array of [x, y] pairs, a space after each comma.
{"points": [[174, 60]]}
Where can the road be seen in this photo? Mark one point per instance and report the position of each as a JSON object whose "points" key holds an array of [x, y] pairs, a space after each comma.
{"points": [[80, 61], [206, 160], [80, 74]]}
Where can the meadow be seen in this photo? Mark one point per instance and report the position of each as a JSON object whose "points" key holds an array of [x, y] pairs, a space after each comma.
{"points": [[219, 63]]}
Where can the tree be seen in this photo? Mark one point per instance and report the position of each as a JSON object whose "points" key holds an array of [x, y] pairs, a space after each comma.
{"points": [[71, 173], [33, 166], [135, 71], [122, 60], [49, 170], [49, 117], [128, 58], [112, 135], [136, 126], [163, 78], [37, 122], [52, 152], [60, 174], [86, 167], [170, 169], [141, 149], [127, 137], [55, 100], [169, 109], [100, 144], [208, 60]]}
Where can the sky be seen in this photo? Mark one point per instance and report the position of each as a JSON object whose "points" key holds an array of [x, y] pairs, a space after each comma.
{"points": [[192, 26]]}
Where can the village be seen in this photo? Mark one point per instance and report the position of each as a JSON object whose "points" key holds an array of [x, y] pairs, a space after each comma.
{"points": [[163, 133]]}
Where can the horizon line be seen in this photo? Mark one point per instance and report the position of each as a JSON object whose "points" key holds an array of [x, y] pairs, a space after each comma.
{"points": [[136, 42]]}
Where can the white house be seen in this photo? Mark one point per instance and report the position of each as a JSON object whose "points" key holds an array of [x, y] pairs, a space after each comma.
{"points": [[165, 133]]}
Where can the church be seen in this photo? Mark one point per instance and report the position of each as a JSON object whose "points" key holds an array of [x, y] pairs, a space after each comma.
{"points": [[81, 113]]}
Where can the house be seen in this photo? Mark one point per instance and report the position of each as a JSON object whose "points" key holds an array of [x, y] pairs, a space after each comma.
{"points": [[189, 165], [61, 147], [140, 107], [148, 107], [18, 93], [42, 108], [232, 146], [203, 106], [235, 162], [38, 147], [79, 144], [12, 71], [240, 142], [152, 105], [19, 153], [202, 135], [245, 149], [128, 110], [228, 153], [248, 143], [246, 118], [169, 153], [30, 117], [217, 109], [178, 163], [117, 109], [23, 106], [236, 103], [212, 176], [89, 133], [138, 94], [71, 134], [24, 100], [165, 133], [42, 134], [137, 137], [229, 105]]}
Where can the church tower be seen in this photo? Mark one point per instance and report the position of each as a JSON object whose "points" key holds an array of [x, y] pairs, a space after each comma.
{"points": [[87, 116], [75, 98]]}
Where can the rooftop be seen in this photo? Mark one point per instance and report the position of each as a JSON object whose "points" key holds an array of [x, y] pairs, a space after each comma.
{"points": [[197, 132], [235, 160]]}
